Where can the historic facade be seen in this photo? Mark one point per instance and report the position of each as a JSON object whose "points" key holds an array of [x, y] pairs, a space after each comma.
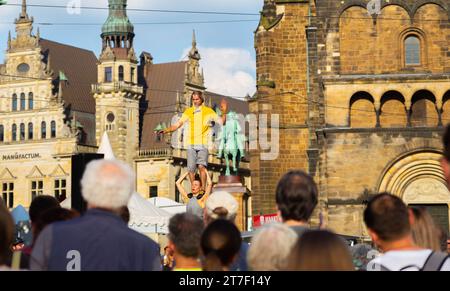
{"points": [[38, 129], [362, 101], [58, 100]]}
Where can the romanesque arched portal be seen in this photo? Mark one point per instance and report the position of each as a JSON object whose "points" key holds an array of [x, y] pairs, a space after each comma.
{"points": [[418, 179]]}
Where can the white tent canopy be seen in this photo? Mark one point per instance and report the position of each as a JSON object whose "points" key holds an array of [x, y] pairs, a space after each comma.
{"points": [[106, 148], [168, 205], [146, 217]]}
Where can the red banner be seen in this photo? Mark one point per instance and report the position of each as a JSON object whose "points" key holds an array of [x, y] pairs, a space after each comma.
{"points": [[260, 220]]}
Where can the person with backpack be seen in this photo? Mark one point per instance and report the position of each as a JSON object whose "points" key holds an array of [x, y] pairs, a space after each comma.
{"points": [[389, 225]]}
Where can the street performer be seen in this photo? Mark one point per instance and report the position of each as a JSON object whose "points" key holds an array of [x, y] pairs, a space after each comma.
{"points": [[199, 117]]}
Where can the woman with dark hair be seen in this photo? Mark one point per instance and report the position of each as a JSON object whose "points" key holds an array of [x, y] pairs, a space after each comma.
{"points": [[220, 244], [320, 250], [53, 215], [195, 201], [6, 236]]}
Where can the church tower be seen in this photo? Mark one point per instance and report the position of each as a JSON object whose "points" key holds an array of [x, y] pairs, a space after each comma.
{"points": [[117, 92], [194, 76], [282, 90]]}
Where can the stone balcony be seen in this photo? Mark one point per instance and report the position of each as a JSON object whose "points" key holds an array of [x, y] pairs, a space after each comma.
{"points": [[116, 87]]}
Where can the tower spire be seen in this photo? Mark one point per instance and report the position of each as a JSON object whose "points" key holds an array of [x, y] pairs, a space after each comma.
{"points": [[193, 53], [23, 16], [118, 28], [194, 41], [9, 39], [24, 9]]}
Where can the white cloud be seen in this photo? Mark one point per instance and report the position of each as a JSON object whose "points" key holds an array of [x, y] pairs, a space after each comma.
{"points": [[228, 71]]}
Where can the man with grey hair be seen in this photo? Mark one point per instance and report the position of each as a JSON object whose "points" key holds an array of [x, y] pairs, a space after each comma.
{"points": [[270, 248], [99, 240], [222, 205]]}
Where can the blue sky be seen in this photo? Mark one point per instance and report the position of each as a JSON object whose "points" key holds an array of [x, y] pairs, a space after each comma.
{"points": [[227, 49]]}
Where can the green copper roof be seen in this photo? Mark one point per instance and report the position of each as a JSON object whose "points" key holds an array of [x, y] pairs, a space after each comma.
{"points": [[117, 22]]}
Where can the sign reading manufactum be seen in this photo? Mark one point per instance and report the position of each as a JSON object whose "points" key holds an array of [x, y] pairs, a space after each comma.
{"points": [[21, 156]]}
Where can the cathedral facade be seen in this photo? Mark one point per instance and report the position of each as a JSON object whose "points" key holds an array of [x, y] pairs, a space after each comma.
{"points": [[362, 92]]}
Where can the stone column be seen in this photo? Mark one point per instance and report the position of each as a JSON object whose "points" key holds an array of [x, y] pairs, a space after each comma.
{"points": [[408, 113], [440, 111], [378, 112]]}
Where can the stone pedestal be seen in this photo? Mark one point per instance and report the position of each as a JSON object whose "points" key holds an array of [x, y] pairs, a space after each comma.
{"points": [[234, 186]]}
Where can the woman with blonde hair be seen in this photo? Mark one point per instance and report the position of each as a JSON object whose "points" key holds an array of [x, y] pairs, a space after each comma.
{"points": [[320, 250], [425, 232]]}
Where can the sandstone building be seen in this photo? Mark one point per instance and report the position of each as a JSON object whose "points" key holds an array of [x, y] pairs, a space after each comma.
{"points": [[362, 101]]}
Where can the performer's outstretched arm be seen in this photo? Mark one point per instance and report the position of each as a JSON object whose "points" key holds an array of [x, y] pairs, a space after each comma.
{"points": [[173, 127], [180, 187]]}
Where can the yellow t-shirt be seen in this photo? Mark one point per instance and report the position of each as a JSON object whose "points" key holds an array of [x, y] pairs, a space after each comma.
{"points": [[187, 269], [199, 120]]}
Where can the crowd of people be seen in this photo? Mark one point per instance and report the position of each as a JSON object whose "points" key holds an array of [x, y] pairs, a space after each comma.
{"points": [[402, 237]]}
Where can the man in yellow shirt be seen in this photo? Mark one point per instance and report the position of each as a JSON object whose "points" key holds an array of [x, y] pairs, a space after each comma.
{"points": [[199, 118]]}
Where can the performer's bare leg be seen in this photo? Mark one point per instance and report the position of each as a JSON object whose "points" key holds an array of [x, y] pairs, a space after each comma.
{"points": [[202, 171], [191, 177]]}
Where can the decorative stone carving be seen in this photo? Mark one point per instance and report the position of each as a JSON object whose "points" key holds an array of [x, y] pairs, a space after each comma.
{"points": [[426, 190]]}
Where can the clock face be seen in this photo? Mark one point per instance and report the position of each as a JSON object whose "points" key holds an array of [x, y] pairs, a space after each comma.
{"points": [[23, 68]]}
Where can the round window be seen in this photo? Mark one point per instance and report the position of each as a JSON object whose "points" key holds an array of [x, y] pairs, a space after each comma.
{"points": [[23, 68], [110, 117]]}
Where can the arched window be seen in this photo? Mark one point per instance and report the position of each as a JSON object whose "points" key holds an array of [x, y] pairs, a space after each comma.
{"points": [[362, 110], [43, 130], [2, 133], [53, 129], [30, 101], [412, 50], [14, 102], [120, 73], [30, 130], [423, 109], [14, 132], [22, 131], [22, 101]]}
